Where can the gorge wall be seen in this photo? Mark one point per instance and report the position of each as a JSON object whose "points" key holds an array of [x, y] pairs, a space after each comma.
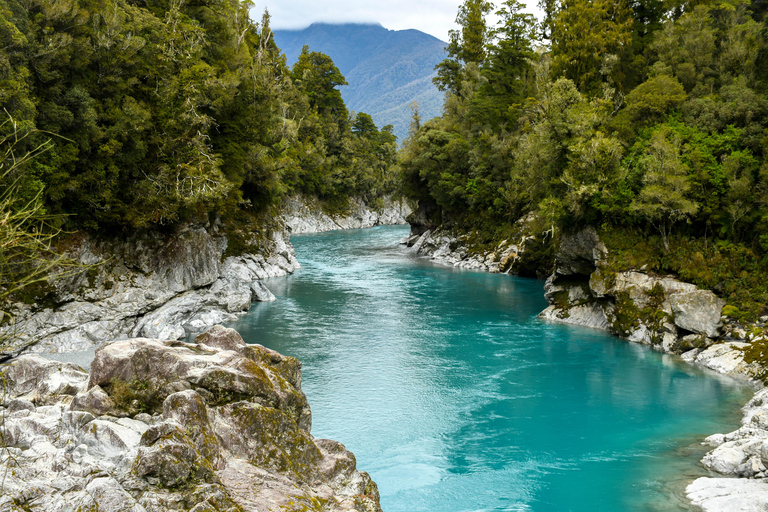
{"points": [[174, 286]]}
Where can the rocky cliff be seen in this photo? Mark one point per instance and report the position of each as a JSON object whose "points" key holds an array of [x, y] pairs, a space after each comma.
{"points": [[217, 425], [515, 255], [303, 215], [158, 286], [177, 285]]}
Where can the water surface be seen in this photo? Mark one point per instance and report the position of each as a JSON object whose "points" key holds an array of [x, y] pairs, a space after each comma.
{"points": [[455, 397]]}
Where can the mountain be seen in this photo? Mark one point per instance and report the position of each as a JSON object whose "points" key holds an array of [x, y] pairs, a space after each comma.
{"points": [[386, 69]]}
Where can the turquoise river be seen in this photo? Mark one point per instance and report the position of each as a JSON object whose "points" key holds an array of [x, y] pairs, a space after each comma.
{"points": [[455, 397]]}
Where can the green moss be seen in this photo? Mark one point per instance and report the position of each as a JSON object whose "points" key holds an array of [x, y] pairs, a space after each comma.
{"points": [[757, 352], [734, 271], [626, 316], [134, 397]]}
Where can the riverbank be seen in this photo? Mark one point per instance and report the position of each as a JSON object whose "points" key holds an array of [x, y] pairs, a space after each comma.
{"points": [[160, 425], [659, 311], [177, 285]]}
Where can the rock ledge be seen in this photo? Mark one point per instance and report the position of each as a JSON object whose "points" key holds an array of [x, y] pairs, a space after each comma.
{"points": [[217, 425]]}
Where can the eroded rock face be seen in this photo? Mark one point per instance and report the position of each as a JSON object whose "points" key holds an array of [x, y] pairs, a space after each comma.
{"points": [[304, 216], [579, 253], [461, 250], [154, 287], [654, 310], [158, 425]]}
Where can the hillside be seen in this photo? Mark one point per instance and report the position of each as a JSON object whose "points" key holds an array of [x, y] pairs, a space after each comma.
{"points": [[386, 69]]}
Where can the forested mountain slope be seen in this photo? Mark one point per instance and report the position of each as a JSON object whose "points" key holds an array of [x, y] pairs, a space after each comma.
{"points": [[386, 70]]}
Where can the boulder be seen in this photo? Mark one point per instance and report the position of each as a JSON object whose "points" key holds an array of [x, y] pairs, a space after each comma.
{"points": [[156, 369], [697, 311], [41, 380], [728, 359], [229, 431], [728, 494]]}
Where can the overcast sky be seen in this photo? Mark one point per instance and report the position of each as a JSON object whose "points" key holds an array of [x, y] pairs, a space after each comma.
{"points": [[434, 17]]}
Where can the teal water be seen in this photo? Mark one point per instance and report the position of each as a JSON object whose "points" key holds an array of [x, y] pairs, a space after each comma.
{"points": [[455, 397]]}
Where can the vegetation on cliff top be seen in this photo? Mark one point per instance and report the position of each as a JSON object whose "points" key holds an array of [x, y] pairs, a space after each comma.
{"points": [[645, 117], [170, 110]]}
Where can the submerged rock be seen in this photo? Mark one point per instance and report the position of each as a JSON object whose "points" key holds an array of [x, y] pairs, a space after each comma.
{"points": [[217, 425]]}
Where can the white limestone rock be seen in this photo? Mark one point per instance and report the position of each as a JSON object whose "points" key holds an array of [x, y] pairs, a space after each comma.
{"points": [[729, 494], [697, 311], [239, 441], [726, 358], [303, 215], [590, 314]]}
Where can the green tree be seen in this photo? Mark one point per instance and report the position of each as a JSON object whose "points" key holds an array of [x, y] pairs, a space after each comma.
{"points": [[466, 45], [317, 76], [662, 200], [584, 34], [507, 76]]}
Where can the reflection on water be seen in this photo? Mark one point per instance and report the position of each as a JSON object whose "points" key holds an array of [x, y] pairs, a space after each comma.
{"points": [[455, 397]]}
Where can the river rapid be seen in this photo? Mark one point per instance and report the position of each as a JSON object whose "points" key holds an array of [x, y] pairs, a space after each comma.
{"points": [[454, 396]]}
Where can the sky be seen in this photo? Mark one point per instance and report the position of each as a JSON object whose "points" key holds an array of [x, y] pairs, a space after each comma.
{"points": [[435, 17]]}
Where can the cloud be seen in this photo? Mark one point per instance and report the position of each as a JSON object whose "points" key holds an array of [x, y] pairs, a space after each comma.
{"points": [[435, 17]]}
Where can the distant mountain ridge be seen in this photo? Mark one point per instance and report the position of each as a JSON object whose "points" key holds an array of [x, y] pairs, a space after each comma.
{"points": [[386, 69]]}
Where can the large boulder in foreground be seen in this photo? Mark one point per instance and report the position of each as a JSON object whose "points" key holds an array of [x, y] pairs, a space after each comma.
{"points": [[217, 425]]}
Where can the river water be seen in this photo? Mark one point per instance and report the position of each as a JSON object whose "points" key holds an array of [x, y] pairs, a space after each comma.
{"points": [[455, 397]]}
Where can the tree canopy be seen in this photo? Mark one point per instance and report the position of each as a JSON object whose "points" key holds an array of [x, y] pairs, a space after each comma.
{"points": [[167, 111], [640, 115]]}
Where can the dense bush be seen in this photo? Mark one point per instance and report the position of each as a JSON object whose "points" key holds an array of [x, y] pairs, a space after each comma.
{"points": [[162, 111], [643, 116]]}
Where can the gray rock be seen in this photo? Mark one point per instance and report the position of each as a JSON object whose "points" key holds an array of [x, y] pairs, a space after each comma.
{"points": [[729, 495], [160, 287], [239, 441], [579, 253], [95, 401], [697, 311], [164, 368], [302, 215], [40, 380], [728, 359], [586, 315]]}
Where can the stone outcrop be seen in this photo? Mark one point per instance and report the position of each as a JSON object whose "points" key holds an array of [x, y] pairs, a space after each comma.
{"points": [[740, 456], [464, 250], [166, 287], [217, 425], [302, 215], [656, 310]]}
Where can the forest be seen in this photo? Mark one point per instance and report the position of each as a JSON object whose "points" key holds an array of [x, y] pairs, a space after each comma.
{"points": [[646, 119], [147, 114]]}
